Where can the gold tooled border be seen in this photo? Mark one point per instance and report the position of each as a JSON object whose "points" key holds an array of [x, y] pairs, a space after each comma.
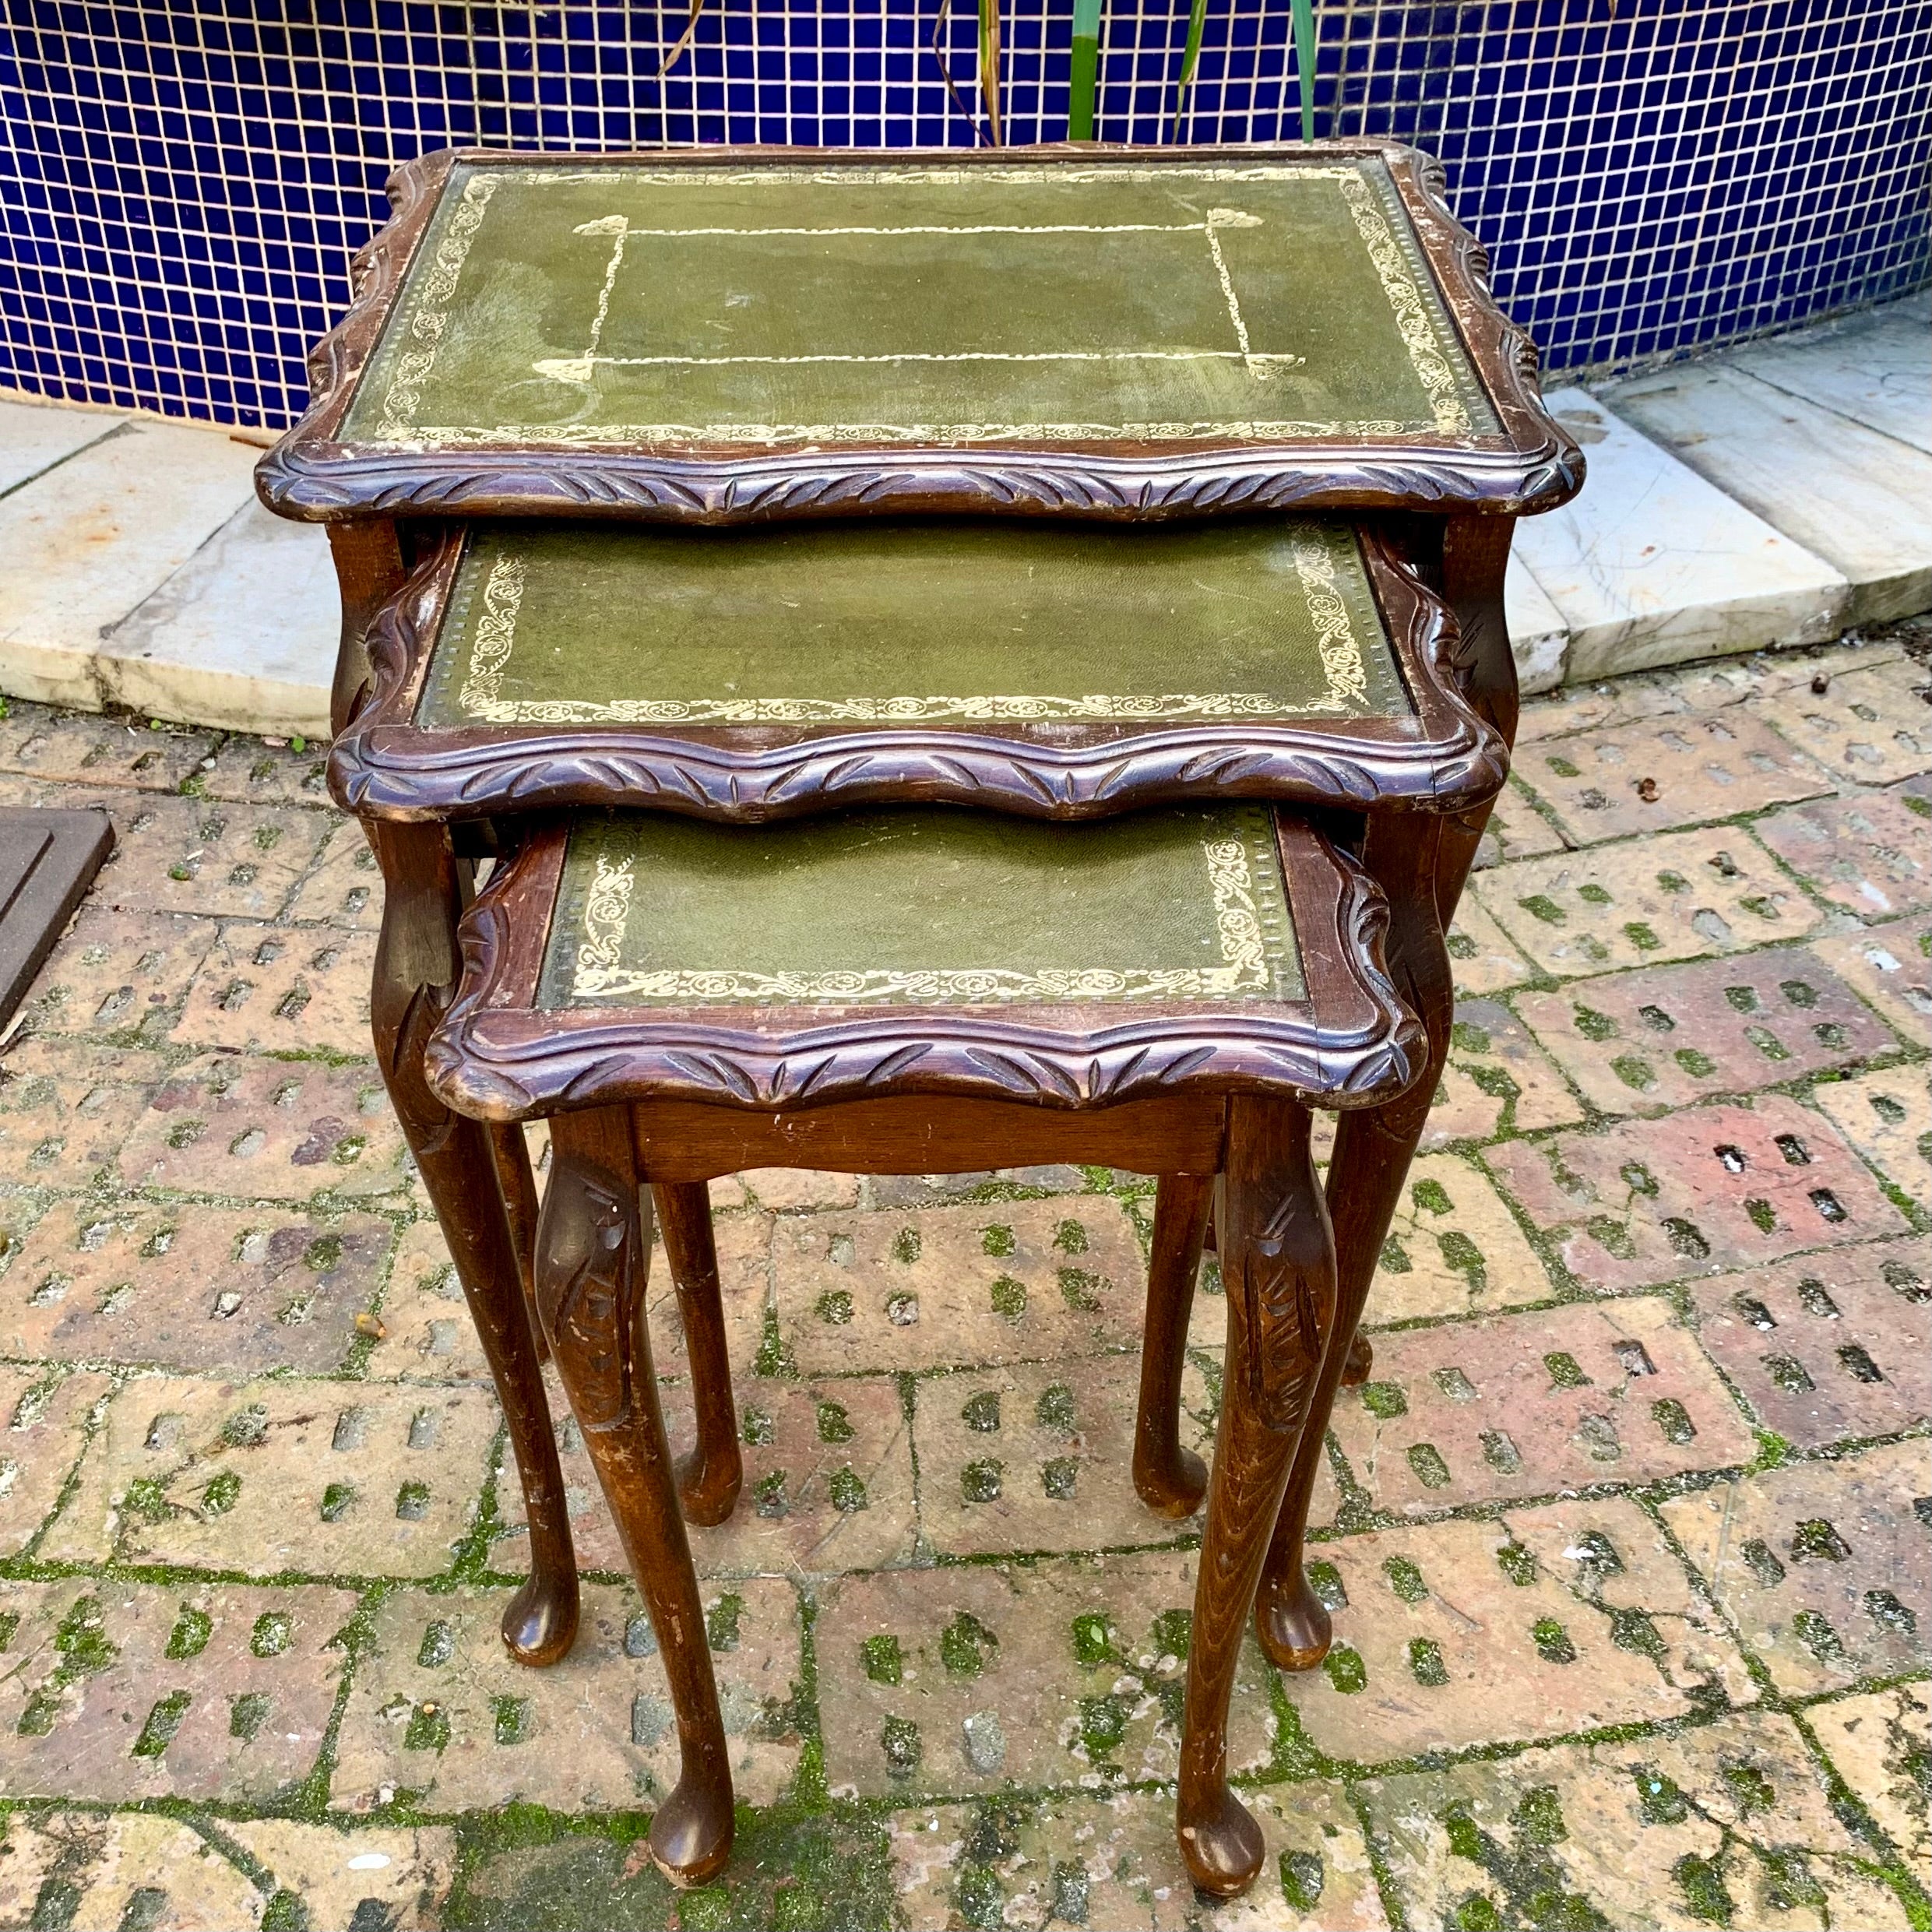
{"points": [[1314, 553], [429, 317], [600, 974]]}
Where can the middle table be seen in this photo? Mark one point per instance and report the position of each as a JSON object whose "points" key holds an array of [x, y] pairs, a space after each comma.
{"points": [[1044, 669]]}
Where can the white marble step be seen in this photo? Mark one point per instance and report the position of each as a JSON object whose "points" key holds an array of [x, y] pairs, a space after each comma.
{"points": [[35, 437], [137, 567], [1859, 499], [1651, 565], [1875, 368]]}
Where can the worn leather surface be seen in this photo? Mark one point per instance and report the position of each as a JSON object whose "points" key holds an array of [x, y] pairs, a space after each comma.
{"points": [[692, 303], [921, 907], [901, 622]]}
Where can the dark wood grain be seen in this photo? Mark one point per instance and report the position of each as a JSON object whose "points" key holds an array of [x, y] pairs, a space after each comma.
{"points": [[1278, 1267], [708, 1479], [1446, 757], [1534, 464], [592, 1261], [47, 861], [1170, 1479], [416, 971]]}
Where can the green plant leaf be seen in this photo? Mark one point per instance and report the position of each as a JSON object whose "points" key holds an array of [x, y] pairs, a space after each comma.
{"points": [[1302, 13], [1084, 84], [1189, 59]]}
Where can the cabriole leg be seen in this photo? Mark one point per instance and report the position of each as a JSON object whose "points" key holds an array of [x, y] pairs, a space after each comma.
{"points": [[1421, 863], [1171, 1480], [416, 971], [512, 1153], [1278, 1262], [1366, 1173], [592, 1257], [708, 1478]]}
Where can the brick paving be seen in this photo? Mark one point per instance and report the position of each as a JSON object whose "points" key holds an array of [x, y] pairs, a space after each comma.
{"points": [[1626, 1539]]}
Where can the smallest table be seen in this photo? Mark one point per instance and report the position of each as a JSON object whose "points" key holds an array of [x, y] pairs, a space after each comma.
{"points": [[923, 991]]}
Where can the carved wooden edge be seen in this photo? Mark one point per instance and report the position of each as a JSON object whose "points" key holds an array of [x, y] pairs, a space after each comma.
{"points": [[1534, 465], [1351, 1043], [384, 764]]}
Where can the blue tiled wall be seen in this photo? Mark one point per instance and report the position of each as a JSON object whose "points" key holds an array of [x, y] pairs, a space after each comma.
{"points": [[182, 186]]}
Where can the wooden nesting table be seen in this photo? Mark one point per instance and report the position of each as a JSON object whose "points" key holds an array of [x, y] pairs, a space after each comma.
{"points": [[755, 485]]}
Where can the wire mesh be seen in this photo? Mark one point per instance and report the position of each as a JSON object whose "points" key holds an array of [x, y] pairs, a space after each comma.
{"points": [[182, 186]]}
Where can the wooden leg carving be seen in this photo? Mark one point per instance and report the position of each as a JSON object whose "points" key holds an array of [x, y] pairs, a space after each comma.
{"points": [[415, 974], [593, 1253], [512, 1153], [1360, 1364], [1171, 1480], [1367, 1173], [1278, 1262], [709, 1477]]}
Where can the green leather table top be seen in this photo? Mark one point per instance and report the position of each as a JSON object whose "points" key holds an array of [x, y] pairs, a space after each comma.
{"points": [[736, 304], [921, 908], [897, 623]]}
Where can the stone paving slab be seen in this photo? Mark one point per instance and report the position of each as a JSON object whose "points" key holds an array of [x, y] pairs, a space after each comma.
{"points": [[1650, 1041], [1820, 1565], [439, 1715], [950, 1681], [1113, 1863], [333, 1478], [243, 635], [1879, 1744], [1871, 368], [1498, 1081], [997, 1281], [1871, 853], [1697, 1192], [277, 989], [87, 1869], [1830, 1346], [1453, 1248], [1455, 1633], [93, 536], [1525, 1405], [35, 437], [65, 1110], [1891, 969], [1676, 895], [1726, 1823], [1660, 775], [215, 1690], [1888, 1117], [246, 1288], [1868, 726], [120, 975], [48, 1417], [266, 1130], [1539, 637]]}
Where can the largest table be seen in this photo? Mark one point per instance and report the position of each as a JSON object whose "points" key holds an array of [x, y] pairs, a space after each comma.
{"points": [[730, 336]]}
